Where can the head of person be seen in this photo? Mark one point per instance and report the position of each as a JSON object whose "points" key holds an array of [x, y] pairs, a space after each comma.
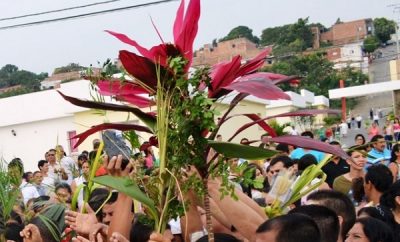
{"points": [[85, 168], [378, 142], [51, 156], [97, 198], [63, 192], [282, 148], [43, 166], [379, 212], [357, 159], [370, 230], [308, 134], [378, 179], [81, 158], [395, 155], [359, 139], [306, 161], [374, 125], [16, 170], [219, 137], [44, 233], [279, 163], [286, 228], [96, 144], [27, 176], [37, 178], [326, 220], [338, 202], [12, 232], [141, 231], [337, 145], [391, 197], [396, 121]]}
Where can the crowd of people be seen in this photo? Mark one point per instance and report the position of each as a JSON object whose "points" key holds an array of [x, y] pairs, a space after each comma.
{"points": [[359, 200]]}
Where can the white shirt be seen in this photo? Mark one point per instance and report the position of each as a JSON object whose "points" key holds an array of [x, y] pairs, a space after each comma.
{"points": [[69, 166], [28, 192], [79, 181]]}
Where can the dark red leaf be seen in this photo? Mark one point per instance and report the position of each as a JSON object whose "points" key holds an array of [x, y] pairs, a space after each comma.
{"points": [[179, 21], [117, 87], [223, 74], [262, 124], [118, 126], [257, 85], [290, 79], [139, 67], [138, 101], [188, 33], [148, 119], [255, 63], [308, 143]]}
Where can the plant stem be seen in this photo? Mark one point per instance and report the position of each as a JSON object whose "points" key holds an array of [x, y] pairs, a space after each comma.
{"points": [[207, 209]]}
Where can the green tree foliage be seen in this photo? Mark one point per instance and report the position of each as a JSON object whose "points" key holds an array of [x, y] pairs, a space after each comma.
{"points": [[384, 28], [11, 76], [289, 38], [371, 43], [317, 72], [68, 68], [241, 31]]}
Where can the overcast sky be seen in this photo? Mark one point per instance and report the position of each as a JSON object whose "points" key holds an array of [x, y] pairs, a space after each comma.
{"points": [[41, 48]]}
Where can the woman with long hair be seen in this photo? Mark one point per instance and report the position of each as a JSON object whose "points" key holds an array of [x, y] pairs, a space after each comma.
{"points": [[394, 164], [396, 129]]}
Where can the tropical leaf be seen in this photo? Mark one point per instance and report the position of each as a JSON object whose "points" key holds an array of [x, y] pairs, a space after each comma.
{"points": [[262, 124], [308, 143], [255, 63], [128, 187], [241, 151], [222, 75], [256, 85], [137, 100], [140, 67], [119, 87], [146, 118], [75, 197]]}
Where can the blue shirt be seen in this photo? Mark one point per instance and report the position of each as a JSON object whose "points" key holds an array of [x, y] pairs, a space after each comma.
{"points": [[299, 152], [375, 156]]}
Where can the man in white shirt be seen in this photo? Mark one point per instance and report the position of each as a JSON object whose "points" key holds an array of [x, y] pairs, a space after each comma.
{"points": [[48, 182], [56, 171], [68, 164]]}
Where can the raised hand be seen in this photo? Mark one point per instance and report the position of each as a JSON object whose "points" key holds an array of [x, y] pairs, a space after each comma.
{"points": [[81, 223], [114, 166]]}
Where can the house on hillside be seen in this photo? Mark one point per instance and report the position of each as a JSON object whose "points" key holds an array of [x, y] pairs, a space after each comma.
{"points": [[348, 32], [211, 54], [349, 55]]}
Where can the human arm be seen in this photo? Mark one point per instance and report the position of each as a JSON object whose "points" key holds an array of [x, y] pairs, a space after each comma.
{"points": [[394, 169]]}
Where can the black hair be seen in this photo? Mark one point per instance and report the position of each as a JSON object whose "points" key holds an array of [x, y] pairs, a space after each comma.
{"points": [[380, 176], [334, 142], [220, 237], [376, 137], [286, 160], [326, 220], [360, 135], [97, 199], [306, 161], [379, 212], [308, 134], [139, 230], [12, 232], [357, 186], [388, 198], [339, 203], [282, 147], [45, 232], [63, 185], [26, 175], [39, 203], [395, 149], [41, 163], [288, 229], [376, 230]]}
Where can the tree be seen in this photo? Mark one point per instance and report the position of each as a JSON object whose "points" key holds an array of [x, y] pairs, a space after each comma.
{"points": [[371, 43], [384, 28], [338, 21], [241, 31], [69, 68]]}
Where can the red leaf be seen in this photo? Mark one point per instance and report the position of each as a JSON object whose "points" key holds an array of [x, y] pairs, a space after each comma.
{"points": [[139, 67], [145, 52], [117, 87], [148, 119], [179, 20], [257, 85], [254, 64], [118, 126], [188, 30], [138, 101], [222, 75], [262, 124], [308, 143]]}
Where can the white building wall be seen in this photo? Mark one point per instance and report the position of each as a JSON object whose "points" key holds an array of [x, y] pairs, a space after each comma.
{"points": [[33, 139]]}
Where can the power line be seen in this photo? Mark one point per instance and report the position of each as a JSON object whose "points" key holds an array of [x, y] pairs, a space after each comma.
{"points": [[58, 10], [84, 15]]}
